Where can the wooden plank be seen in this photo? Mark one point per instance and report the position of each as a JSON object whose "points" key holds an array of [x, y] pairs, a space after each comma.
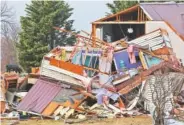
{"points": [[162, 51], [121, 104], [32, 80], [144, 12], [144, 64], [115, 109], [120, 22], [141, 15], [118, 81], [80, 36], [117, 19], [119, 13], [88, 94], [96, 38], [131, 86], [57, 111], [93, 35], [182, 37], [63, 111], [152, 54], [49, 110], [69, 113], [96, 70], [94, 106], [67, 66], [3, 106], [138, 19], [137, 80]]}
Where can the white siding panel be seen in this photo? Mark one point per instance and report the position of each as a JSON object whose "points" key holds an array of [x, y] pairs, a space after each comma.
{"points": [[176, 41]]}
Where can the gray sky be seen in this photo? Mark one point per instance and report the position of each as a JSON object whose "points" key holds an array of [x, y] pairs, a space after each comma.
{"points": [[84, 11]]}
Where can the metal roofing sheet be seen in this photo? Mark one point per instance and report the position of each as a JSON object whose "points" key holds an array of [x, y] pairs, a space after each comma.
{"points": [[172, 13], [39, 96]]}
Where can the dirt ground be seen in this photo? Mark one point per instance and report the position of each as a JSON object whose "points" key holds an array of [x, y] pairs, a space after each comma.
{"points": [[139, 120]]}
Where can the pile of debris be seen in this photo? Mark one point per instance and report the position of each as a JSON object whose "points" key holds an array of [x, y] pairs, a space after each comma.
{"points": [[119, 74], [84, 81]]}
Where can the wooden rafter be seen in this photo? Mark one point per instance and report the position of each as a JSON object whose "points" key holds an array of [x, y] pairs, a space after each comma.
{"points": [[93, 35], [119, 13], [138, 16], [132, 83], [182, 37], [120, 22]]}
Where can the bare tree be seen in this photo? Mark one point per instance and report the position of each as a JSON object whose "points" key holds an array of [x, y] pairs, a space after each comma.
{"points": [[161, 95], [9, 34], [162, 88], [7, 18]]}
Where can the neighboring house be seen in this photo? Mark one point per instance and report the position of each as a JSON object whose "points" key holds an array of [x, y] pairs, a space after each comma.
{"points": [[8, 54], [142, 19]]}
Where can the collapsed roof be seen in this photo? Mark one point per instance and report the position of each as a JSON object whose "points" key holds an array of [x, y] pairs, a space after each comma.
{"points": [[173, 15]]}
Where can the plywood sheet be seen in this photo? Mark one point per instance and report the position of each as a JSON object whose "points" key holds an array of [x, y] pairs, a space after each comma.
{"points": [[49, 110], [67, 66]]}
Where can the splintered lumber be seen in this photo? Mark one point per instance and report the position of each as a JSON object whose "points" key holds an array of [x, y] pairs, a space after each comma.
{"points": [[63, 111], [132, 83], [58, 110], [96, 70], [69, 113], [97, 40], [67, 66], [49, 110], [88, 94]]}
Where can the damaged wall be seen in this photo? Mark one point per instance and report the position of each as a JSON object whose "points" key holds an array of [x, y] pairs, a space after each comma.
{"points": [[119, 31], [176, 41]]}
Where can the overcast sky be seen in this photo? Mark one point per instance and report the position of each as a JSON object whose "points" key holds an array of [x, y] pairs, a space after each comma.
{"points": [[85, 11]]}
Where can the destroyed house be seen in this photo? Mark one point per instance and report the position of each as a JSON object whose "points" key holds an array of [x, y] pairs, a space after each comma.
{"points": [[125, 49], [142, 19]]}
